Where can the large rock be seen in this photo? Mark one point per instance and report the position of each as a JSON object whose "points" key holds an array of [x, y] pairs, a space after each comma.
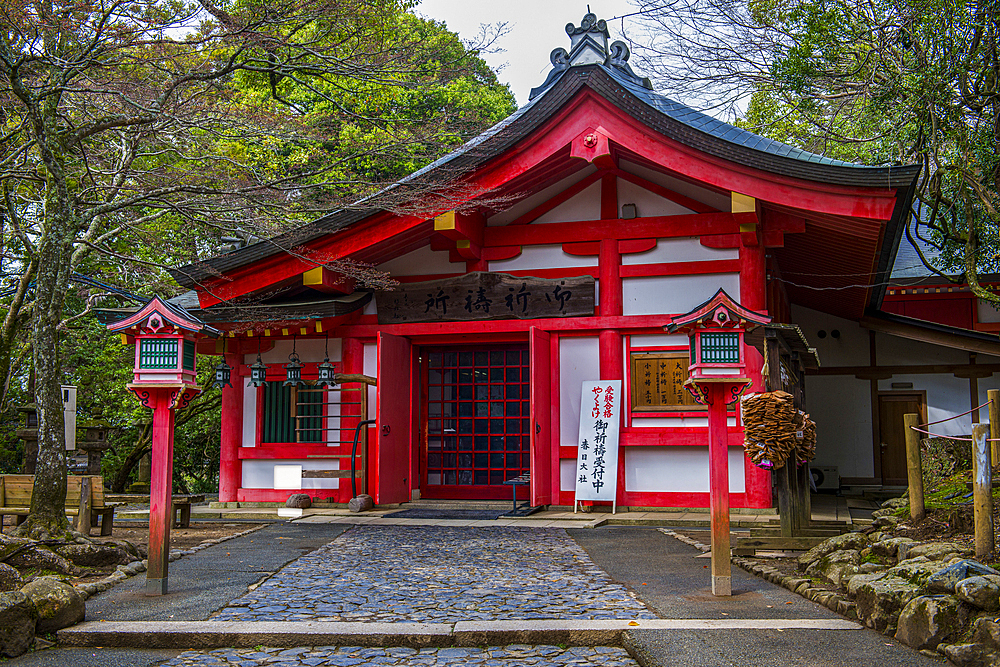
{"points": [[944, 580], [95, 555], [888, 522], [300, 501], [845, 542], [887, 548], [982, 592], [968, 655], [18, 617], [41, 558], [136, 552], [879, 602], [361, 503], [928, 620], [915, 570], [834, 566], [59, 605], [933, 550], [10, 579], [855, 583], [894, 503]]}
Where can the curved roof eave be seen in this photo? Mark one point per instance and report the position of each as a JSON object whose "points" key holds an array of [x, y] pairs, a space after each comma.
{"points": [[671, 119]]}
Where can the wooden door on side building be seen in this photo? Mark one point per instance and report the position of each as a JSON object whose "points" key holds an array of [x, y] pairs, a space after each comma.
{"points": [[891, 448]]}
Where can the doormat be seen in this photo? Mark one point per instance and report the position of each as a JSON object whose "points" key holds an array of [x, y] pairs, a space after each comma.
{"points": [[463, 515]]}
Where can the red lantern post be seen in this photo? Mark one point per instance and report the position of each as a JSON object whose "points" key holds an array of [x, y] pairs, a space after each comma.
{"points": [[717, 378], [165, 339]]}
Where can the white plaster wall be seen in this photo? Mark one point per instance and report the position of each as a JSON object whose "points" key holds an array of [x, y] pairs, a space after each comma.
{"points": [[249, 415], [371, 369], [567, 474], [579, 361], [420, 262], [542, 257], [310, 350], [841, 407], [659, 340], [657, 295], [678, 469], [585, 205], [987, 311], [851, 349], [947, 396], [646, 202], [679, 250], [710, 197], [528, 203], [259, 473]]}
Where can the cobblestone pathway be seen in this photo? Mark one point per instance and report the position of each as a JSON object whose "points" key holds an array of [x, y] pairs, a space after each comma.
{"points": [[349, 656], [440, 574]]}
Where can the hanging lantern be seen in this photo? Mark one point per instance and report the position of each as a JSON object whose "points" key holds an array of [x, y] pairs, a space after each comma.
{"points": [[293, 369], [222, 375], [258, 372], [326, 375]]}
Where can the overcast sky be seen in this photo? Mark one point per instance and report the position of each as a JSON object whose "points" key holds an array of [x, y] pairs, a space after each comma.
{"points": [[535, 27]]}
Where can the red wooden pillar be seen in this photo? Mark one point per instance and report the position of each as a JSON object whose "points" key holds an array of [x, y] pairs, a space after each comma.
{"points": [[161, 482], [610, 288], [230, 469], [718, 457], [753, 295]]}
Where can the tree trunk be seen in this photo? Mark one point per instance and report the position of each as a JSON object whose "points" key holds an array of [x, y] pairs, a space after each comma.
{"points": [[47, 518], [130, 462]]}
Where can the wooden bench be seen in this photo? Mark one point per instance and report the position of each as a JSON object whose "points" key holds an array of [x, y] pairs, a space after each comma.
{"points": [[181, 504], [15, 498]]}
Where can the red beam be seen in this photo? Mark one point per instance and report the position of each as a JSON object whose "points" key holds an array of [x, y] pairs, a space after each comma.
{"points": [[634, 323], [662, 226]]}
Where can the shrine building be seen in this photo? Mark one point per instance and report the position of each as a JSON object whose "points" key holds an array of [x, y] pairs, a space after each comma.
{"points": [[574, 231]]}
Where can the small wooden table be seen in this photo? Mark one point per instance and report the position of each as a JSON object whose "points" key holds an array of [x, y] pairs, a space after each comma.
{"points": [[180, 502], [526, 508]]}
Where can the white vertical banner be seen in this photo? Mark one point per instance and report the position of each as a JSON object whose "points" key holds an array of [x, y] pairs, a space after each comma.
{"points": [[597, 447]]}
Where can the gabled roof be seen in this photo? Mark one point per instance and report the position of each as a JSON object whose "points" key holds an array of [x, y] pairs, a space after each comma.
{"points": [[614, 81], [169, 313]]}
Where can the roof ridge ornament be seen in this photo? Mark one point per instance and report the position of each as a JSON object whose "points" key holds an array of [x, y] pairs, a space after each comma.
{"points": [[589, 46]]}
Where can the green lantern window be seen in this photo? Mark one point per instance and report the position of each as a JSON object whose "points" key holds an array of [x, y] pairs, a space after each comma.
{"points": [[189, 349], [158, 353], [720, 348]]}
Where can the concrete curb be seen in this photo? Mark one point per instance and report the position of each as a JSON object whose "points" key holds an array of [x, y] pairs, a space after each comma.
{"points": [[287, 634]]}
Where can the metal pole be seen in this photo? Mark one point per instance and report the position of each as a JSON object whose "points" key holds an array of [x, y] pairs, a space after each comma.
{"points": [[982, 486], [914, 472], [354, 453]]}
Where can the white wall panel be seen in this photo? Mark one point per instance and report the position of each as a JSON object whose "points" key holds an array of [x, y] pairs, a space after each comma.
{"points": [[657, 295], [542, 257], [987, 312], [567, 474], [249, 414], [679, 250], [851, 349], [639, 421], [583, 206], [710, 197], [579, 361], [528, 203], [841, 407], [659, 340], [896, 351], [420, 262], [371, 369], [260, 474], [678, 469], [947, 396], [647, 203], [310, 350]]}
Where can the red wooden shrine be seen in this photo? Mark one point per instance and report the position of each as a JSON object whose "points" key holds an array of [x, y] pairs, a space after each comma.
{"points": [[597, 189]]}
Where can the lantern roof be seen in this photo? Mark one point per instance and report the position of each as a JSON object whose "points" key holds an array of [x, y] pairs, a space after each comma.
{"points": [[158, 316], [719, 311]]}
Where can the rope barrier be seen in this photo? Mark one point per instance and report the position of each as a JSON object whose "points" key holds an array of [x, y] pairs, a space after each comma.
{"points": [[953, 437]]}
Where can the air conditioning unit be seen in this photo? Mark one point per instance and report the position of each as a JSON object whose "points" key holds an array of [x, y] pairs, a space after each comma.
{"points": [[826, 478]]}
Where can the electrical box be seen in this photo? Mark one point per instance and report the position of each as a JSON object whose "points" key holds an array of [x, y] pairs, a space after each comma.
{"points": [[69, 415], [827, 478]]}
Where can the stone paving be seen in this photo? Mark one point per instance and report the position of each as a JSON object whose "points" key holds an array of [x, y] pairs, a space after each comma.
{"points": [[440, 575], [350, 656]]}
